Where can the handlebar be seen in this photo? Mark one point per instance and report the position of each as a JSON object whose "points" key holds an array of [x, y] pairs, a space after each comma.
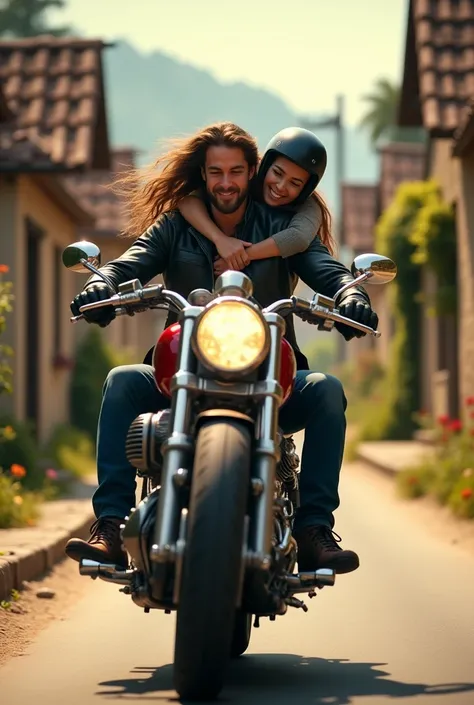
{"points": [[143, 298]]}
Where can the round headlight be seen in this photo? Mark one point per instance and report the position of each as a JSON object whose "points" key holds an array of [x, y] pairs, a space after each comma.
{"points": [[231, 336]]}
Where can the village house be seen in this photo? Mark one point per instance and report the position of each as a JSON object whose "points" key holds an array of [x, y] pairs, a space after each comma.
{"points": [[132, 334], [437, 90], [53, 125]]}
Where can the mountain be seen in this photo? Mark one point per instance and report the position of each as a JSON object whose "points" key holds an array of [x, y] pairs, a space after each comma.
{"points": [[152, 97]]}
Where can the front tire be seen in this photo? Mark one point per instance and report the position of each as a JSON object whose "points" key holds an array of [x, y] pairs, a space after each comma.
{"points": [[241, 635], [212, 559]]}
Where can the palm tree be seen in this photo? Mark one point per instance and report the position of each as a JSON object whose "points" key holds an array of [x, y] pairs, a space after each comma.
{"points": [[25, 18], [381, 116]]}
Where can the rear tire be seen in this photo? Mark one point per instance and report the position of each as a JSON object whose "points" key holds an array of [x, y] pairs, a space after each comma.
{"points": [[212, 558]]}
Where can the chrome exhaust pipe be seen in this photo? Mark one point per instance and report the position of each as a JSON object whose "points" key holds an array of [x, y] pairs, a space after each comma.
{"points": [[305, 582], [106, 571]]}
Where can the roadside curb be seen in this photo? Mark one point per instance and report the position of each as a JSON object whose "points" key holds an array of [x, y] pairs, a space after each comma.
{"points": [[28, 563], [369, 459], [392, 457]]}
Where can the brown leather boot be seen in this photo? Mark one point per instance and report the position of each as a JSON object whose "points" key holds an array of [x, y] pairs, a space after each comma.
{"points": [[104, 544], [317, 548]]}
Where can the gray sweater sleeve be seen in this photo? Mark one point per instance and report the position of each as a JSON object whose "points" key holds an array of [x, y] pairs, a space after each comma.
{"points": [[302, 230]]}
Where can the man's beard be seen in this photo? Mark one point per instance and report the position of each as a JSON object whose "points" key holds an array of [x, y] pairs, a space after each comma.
{"points": [[230, 206]]}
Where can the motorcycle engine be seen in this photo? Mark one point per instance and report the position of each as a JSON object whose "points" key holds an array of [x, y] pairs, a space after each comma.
{"points": [[287, 468], [137, 533], [145, 437]]}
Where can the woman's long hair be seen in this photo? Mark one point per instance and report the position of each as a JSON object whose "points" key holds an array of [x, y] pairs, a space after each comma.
{"points": [[325, 230], [148, 193]]}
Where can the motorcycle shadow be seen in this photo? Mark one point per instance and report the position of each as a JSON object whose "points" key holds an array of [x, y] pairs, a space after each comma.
{"points": [[256, 679]]}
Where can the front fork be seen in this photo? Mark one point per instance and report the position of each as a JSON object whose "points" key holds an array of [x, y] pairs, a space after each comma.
{"points": [[267, 453], [177, 454]]}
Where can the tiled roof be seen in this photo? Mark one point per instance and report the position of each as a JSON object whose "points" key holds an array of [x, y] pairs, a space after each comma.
{"points": [[359, 212], [399, 162], [6, 114], [464, 135], [93, 191], [55, 89], [438, 76], [17, 150]]}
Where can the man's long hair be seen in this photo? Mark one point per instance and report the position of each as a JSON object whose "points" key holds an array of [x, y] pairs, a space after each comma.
{"points": [[159, 188]]}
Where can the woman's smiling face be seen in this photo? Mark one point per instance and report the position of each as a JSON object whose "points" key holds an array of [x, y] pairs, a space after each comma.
{"points": [[283, 182]]}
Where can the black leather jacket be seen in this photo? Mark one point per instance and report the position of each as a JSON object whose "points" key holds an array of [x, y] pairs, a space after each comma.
{"points": [[184, 257]]}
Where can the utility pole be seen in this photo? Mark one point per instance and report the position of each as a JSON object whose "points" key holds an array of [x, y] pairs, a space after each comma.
{"points": [[337, 122]]}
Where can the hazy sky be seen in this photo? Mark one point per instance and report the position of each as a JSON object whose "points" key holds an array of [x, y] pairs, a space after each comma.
{"points": [[304, 50]]}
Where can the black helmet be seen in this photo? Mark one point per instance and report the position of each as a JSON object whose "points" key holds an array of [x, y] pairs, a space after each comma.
{"points": [[304, 149]]}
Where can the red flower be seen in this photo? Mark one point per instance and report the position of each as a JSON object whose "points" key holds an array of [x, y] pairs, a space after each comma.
{"points": [[470, 401], [455, 426], [467, 493], [4, 268], [443, 420]]}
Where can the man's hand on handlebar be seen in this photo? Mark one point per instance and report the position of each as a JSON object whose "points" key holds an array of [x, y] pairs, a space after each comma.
{"points": [[357, 309], [100, 316]]}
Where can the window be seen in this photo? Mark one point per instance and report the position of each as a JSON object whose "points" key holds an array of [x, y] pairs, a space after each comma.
{"points": [[57, 300]]}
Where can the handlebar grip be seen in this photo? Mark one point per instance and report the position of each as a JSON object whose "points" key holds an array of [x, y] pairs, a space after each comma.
{"points": [[120, 311]]}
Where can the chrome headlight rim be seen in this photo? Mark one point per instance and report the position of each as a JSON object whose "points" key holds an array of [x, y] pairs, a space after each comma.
{"points": [[224, 373]]}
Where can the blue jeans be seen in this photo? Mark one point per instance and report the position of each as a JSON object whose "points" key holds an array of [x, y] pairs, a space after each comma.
{"points": [[317, 405]]}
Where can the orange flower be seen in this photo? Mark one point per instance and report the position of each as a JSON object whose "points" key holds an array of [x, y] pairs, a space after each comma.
{"points": [[17, 470], [466, 493], [4, 268]]}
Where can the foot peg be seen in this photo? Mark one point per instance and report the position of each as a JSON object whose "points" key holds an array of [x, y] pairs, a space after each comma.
{"points": [[305, 582], [106, 571], [299, 604]]}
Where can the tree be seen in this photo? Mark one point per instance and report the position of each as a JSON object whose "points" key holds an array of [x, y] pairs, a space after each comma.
{"points": [[25, 18], [381, 116]]}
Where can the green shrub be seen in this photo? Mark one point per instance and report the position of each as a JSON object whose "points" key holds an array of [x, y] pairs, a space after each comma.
{"points": [[447, 474], [461, 498], [71, 449], [17, 507], [321, 352], [94, 360], [20, 447]]}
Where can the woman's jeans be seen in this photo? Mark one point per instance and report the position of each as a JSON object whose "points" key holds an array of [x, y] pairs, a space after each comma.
{"points": [[317, 405]]}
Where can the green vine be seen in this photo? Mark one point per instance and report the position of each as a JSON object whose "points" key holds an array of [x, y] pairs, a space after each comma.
{"points": [[6, 298], [417, 230], [393, 239], [434, 238]]}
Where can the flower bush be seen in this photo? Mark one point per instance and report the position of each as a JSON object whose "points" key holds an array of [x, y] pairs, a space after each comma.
{"points": [[29, 474], [448, 474], [18, 506]]}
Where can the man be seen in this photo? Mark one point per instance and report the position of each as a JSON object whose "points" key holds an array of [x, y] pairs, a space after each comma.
{"points": [[222, 160]]}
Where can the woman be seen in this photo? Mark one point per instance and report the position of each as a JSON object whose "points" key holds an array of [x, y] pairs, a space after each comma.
{"points": [[292, 166]]}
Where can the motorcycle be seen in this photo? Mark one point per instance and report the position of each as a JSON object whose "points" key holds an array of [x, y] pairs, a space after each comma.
{"points": [[212, 537]]}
